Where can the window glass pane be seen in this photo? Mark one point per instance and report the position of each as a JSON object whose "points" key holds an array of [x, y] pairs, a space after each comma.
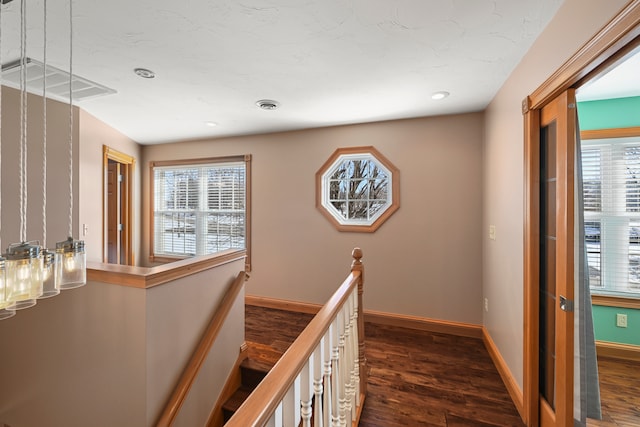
{"points": [[592, 232], [358, 189], [199, 209], [378, 189], [634, 256], [611, 170], [632, 185], [358, 210], [592, 179]]}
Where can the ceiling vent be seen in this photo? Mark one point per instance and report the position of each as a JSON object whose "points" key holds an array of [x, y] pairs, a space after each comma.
{"points": [[57, 81]]}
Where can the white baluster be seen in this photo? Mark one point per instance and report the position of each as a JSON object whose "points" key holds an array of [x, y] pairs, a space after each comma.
{"points": [[356, 344], [317, 383], [348, 406], [354, 355], [305, 395], [326, 374], [342, 369], [277, 416], [291, 404], [335, 374]]}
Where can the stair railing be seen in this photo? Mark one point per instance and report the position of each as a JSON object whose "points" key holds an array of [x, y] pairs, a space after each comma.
{"points": [[321, 379], [199, 356]]}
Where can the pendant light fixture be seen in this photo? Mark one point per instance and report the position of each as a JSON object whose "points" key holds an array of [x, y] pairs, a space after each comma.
{"points": [[23, 261], [71, 260], [50, 286], [6, 306], [28, 271]]}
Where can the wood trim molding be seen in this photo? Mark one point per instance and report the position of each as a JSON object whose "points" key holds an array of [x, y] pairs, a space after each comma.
{"points": [[199, 356], [531, 265], [148, 277], [377, 317], [615, 301], [281, 304], [245, 158], [424, 324], [505, 373], [618, 351], [610, 133], [620, 31], [395, 189]]}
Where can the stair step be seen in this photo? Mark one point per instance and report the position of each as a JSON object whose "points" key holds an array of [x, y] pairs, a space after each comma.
{"points": [[261, 358], [252, 372], [233, 403], [263, 352]]}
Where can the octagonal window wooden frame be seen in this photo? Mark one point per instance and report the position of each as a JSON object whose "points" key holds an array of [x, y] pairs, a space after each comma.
{"points": [[324, 177]]}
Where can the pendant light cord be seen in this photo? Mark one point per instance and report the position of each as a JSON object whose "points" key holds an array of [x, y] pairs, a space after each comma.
{"points": [[0, 126], [44, 128], [23, 121], [70, 118]]}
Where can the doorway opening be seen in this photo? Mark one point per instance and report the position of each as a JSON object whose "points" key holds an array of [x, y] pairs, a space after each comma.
{"points": [[608, 46], [118, 171]]}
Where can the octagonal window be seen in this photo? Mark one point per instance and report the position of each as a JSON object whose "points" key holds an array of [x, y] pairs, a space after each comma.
{"points": [[357, 189]]}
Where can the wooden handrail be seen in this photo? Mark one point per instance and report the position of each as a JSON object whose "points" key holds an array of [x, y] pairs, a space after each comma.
{"points": [[260, 405], [200, 354]]}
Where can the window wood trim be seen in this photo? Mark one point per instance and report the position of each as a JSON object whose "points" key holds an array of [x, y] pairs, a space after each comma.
{"points": [[395, 189], [615, 301], [605, 299], [610, 133], [246, 158]]}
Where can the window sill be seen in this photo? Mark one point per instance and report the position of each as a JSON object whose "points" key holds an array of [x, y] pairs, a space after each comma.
{"points": [[616, 301]]}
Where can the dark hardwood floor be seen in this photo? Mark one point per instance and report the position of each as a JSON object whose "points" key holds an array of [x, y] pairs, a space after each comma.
{"points": [[619, 393], [429, 379], [416, 378]]}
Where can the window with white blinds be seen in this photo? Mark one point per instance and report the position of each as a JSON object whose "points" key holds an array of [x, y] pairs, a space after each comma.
{"points": [[199, 208], [611, 178]]}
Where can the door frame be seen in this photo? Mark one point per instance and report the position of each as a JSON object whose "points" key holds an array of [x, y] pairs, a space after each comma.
{"points": [[611, 43], [127, 169]]}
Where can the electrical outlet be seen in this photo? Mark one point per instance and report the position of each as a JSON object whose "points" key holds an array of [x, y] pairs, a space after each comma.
{"points": [[486, 305], [621, 320], [492, 232]]}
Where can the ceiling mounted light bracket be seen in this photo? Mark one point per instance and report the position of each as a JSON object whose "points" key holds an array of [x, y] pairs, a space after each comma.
{"points": [[268, 104]]}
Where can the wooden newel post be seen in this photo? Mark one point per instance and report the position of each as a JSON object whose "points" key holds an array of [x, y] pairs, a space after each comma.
{"points": [[357, 265]]}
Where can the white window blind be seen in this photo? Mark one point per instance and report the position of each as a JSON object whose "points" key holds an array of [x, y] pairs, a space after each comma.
{"points": [[199, 209], [611, 175]]}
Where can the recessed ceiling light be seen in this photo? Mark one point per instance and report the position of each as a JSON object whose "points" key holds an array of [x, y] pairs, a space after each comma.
{"points": [[144, 73], [268, 104], [439, 95], [211, 124]]}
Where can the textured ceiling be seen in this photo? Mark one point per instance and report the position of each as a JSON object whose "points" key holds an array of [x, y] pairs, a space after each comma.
{"points": [[326, 62]]}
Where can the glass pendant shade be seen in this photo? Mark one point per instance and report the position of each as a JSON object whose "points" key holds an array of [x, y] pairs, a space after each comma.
{"points": [[70, 264], [6, 306], [50, 286], [23, 266]]}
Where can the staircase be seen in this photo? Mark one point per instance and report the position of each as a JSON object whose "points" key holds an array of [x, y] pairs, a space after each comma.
{"points": [[261, 358]]}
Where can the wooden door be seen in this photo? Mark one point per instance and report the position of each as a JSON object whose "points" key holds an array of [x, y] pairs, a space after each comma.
{"points": [[118, 212], [113, 212], [556, 260]]}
